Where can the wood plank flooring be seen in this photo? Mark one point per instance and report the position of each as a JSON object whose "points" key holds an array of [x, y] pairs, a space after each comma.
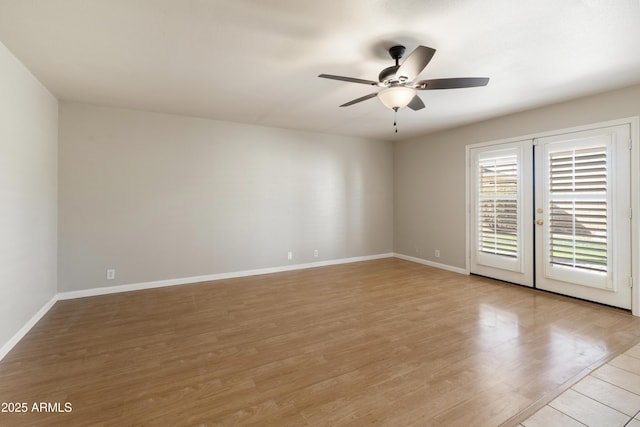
{"points": [[385, 342]]}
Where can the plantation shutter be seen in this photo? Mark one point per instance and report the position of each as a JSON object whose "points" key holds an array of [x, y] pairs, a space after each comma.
{"points": [[578, 233], [498, 206], [578, 208]]}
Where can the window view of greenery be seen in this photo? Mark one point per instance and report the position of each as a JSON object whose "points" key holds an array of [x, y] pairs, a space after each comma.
{"points": [[578, 208], [498, 206]]}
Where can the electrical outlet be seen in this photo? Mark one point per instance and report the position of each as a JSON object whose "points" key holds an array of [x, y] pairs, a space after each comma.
{"points": [[111, 274], [437, 253], [315, 252], [289, 255]]}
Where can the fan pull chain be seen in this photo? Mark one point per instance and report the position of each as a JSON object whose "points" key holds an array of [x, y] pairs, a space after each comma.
{"points": [[395, 118]]}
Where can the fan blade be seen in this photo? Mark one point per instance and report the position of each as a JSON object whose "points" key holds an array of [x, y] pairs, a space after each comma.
{"points": [[415, 63], [416, 103], [362, 98], [455, 83], [349, 79]]}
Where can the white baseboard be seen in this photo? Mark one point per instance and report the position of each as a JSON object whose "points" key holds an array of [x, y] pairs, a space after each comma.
{"points": [[211, 277], [432, 264], [15, 339]]}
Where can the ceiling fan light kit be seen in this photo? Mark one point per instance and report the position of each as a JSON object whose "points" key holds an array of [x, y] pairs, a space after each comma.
{"points": [[399, 84], [395, 97]]}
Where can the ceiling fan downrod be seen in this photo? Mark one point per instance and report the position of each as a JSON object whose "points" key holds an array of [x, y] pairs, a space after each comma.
{"points": [[396, 53]]}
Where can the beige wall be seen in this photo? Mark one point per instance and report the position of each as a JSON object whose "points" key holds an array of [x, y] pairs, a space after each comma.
{"points": [[162, 197], [430, 171], [28, 196]]}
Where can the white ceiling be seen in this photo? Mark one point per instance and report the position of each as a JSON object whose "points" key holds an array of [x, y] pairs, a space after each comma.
{"points": [[257, 61]]}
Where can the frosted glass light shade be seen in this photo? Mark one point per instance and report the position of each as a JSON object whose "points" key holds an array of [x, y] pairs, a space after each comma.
{"points": [[396, 96]]}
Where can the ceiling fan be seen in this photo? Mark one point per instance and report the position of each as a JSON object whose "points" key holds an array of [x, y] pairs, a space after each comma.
{"points": [[399, 81]]}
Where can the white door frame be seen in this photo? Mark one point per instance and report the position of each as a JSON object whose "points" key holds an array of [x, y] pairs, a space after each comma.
{"points": [[634, 124]]}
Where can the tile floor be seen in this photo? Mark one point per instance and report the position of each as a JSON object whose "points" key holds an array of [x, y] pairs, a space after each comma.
{"points": [[608, 397]]}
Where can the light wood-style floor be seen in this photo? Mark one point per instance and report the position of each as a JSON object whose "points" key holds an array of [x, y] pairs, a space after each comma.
{"points": [[384, 342]]}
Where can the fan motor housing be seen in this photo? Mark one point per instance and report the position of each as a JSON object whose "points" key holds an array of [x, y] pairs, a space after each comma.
{"points": [[388, 73]]}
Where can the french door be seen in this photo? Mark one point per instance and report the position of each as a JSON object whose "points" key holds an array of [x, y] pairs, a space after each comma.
{"points": [[501, 204], [582, 211], [554, 213]]}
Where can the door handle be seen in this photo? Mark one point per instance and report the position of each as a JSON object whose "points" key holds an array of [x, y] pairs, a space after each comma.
{"points": [[539, 222]]}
